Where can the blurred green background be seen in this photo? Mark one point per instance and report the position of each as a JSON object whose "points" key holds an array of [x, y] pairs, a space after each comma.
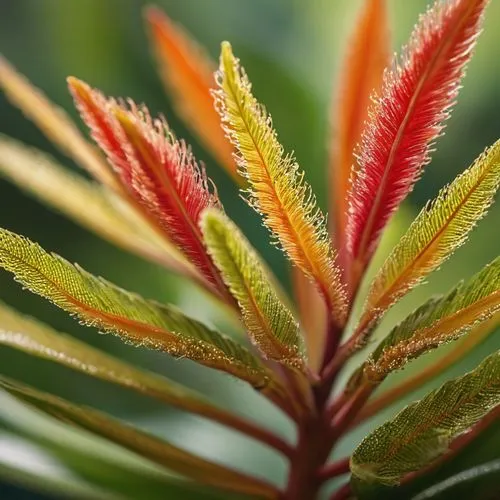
{"points": [[292, 51]]}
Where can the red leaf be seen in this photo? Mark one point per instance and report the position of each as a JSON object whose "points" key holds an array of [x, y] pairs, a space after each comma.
{"points": [[159, 171], [416, 99]]}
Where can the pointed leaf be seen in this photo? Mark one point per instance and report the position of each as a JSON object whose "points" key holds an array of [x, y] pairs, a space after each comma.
{"points": [[160, 172], [31, 336], [416, 99], [54, 123], [438, 321], [367, 56], [277, 189], [103, 305], [269, 323], [145, 445], [85, 202], [440, 228], [188, 73], [424, 430]]}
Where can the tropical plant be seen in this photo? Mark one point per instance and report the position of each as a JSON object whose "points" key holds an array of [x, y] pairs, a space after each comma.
{"points": [[152, 197]]}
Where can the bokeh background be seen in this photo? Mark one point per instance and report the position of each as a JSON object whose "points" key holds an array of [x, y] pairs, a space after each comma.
{"points": [[292, 50]]}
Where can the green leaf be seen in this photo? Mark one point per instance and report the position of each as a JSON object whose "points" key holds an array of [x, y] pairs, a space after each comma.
{"points": [[31, 336], [269, 323], [440, 320], [139, 442], [142, 322], [424, 430]]}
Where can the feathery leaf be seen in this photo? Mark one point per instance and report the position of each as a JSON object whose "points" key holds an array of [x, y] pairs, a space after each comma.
{"points": [[160, 172], [438, 321], [440, 228], [85, 202], [156, 450], [188, 73], [269, 323], [416, 99], [424, 430], [99, 303], [367, 56], [277, 188], [54, 123]]}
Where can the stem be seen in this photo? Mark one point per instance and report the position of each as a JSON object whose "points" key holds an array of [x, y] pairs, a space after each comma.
{"points": [[334, 469], [343, 493]]}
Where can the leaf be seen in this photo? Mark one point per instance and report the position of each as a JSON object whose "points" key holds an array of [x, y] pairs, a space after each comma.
{"points": [[145, 445], [277, 189], [438, 321], [87, 203], [54, 123], [188, 74], [270, 325], [423, 430], [35, 338], [160, 172], [363, 67], [416, 99], [145, 323], [440, 228]]}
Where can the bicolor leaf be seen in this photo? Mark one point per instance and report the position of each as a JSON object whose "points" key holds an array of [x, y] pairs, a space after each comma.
{"points": [[368, 53], [416, 99], [54, 123], [438, 321], [424, 430], [440, 228], [146, 323], [188, 73], [156, 450], [277, 187], [87, 203], [159, 171], [270, 325]]}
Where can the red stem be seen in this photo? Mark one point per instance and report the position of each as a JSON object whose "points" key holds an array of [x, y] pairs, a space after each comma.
{"points": [[343, 493], [334, 469]]}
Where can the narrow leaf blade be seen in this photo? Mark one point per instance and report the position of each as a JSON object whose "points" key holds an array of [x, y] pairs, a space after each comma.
{"points": [[422, 432], [270, 325], [277, 189], [188, 74], [146, 323]]}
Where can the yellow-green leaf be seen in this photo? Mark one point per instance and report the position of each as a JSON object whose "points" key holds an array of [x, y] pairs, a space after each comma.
{"points": [[440, 228], [156, 450], [438, 321], [424, 430], [270, 325], [277, 187], [103, 305]]}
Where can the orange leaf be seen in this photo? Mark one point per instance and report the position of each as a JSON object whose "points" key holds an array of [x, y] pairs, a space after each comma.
{"points": [[363, 69], [188, 73]]}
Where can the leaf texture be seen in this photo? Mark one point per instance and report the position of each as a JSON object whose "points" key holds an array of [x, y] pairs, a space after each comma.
{"points": [[270, 325], [160, 172], [367, 56], [438, 321], [416, 99], [33, 337], [277, 188], [188, 73], [423, 431], [89, 204], [54, 123], [156, 450], [146, 323], [440, 228]]}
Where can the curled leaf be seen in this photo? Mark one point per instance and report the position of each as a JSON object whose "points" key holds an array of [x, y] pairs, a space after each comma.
{"points": [[103, 305], [277, 187], [424, 430], [188, 73], [269, 323], [416, 99]]}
